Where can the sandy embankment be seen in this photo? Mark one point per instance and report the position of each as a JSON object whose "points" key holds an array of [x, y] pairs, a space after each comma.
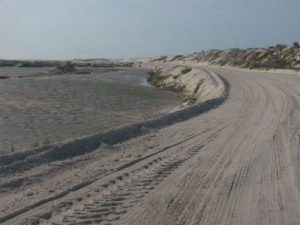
{"points": [[197, 85]]}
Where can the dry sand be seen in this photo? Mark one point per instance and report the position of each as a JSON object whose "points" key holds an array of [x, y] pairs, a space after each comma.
{"points": [[237, 164]]}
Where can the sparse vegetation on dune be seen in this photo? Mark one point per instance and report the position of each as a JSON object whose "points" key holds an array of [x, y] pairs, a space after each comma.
{"points": [[162, 58], [156, 78], [177, 57], [275, 57]]}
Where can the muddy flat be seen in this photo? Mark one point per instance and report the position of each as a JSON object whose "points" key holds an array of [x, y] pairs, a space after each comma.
{"points": [[42, 107], [237, 164]]}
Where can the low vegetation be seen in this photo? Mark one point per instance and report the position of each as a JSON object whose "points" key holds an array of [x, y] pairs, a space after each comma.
{"points": [[12, 148], [177, 57], [162, 59], [275, 57], [46, 141], [156, 78], [186, 70]]}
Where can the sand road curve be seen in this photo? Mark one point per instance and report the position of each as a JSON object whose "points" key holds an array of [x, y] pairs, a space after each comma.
{"points": [[238, 164]]}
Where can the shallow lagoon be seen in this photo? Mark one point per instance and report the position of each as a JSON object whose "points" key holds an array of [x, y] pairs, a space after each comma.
{"points": [[41, 110]]}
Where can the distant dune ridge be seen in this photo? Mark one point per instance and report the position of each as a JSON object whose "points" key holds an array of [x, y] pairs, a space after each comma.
{"points": [[62, 63], [278, 57]]}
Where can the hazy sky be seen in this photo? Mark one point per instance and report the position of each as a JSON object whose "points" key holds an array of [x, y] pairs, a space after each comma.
{"points": [[56, 29]]}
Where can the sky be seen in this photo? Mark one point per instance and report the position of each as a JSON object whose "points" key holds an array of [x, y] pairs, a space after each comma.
{"points": [[68, 29]]}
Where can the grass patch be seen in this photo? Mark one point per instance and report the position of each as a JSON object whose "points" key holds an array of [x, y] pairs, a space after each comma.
{"points": [[156, 78], [162, 58], [46, 141], [177, 57], [186, 70], [35, 145], [12, 149], [198, 86]]}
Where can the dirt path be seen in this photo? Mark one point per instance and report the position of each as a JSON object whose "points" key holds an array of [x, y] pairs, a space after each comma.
{"points": [[237, 164]]}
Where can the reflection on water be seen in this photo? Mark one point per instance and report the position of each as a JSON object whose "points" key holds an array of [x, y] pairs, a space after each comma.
{"points": [[36, 111]]}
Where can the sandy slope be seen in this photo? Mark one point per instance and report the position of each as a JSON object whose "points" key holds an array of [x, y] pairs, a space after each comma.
{"points": [[237, 164]]}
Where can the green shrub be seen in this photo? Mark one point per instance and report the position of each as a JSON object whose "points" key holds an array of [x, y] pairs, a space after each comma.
{"points": [[46, 141], [177, 57], [276, 63], [186, 70], [281, 46], [35, 145], [156, 78], [252, 64], [162, 58], [296, 44]]}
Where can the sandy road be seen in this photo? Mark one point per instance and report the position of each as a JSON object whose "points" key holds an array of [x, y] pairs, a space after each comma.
{"points": [[238, 164]]}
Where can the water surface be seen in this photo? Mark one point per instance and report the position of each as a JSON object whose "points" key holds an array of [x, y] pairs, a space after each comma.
{"points": [[37, 111]]}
